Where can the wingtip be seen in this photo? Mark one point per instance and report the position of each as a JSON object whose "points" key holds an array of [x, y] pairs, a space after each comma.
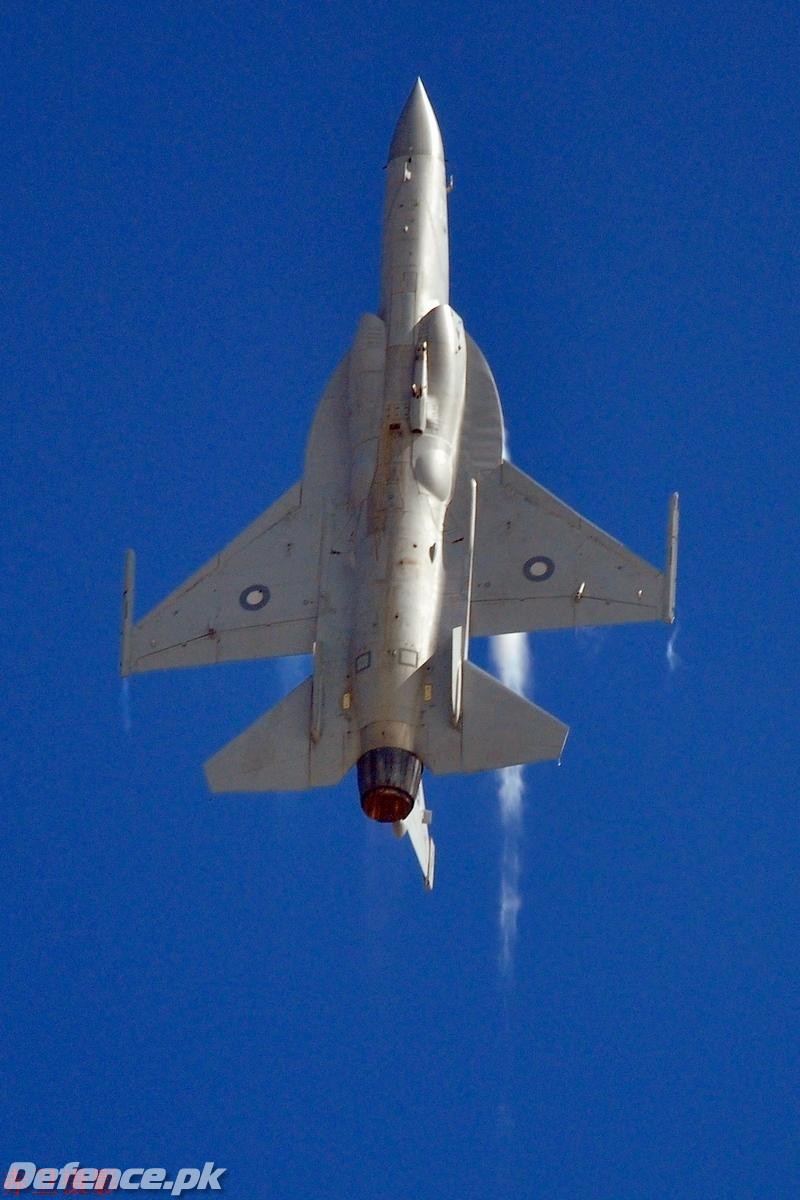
{"points": [[128, 596], [671, 565]]}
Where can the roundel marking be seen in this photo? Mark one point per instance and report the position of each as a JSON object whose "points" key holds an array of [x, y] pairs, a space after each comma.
{"points": [[254, 597], [538, 568]]}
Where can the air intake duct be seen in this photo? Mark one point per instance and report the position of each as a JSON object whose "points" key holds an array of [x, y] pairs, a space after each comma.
{"points": [[388, 782]]}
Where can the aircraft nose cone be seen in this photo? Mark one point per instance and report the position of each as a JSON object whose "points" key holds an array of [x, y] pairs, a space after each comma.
{"points": [[417, 130]]}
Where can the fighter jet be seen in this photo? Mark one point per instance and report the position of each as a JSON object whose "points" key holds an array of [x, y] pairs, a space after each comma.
{"points": [[407, 534]]}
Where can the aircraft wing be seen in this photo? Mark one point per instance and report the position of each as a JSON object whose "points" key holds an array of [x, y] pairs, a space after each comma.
{"points": [[538, 564], [257, 598]]}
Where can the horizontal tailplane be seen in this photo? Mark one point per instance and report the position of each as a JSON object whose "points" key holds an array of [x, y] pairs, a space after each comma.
{"points": [[278, 754], [498, 728]]}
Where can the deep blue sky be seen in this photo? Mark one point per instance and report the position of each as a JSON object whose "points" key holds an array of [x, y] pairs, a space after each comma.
{"points": [[191, 200]]}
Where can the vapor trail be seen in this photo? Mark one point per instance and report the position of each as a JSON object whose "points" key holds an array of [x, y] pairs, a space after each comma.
{"points": [[511, 656], [674, 659]]}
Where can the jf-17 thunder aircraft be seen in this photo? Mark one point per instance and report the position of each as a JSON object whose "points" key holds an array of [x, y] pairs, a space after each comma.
{"points": [[407, 534]]}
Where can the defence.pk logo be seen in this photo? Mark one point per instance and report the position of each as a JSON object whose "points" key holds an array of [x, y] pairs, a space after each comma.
{"points": [[73, 1179]]}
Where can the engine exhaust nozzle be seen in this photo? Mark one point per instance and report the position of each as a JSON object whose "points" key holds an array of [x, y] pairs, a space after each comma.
{"points": [[388, 782]]}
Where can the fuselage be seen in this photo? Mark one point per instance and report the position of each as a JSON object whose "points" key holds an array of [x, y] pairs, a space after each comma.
{"points": [[399, 551]]}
